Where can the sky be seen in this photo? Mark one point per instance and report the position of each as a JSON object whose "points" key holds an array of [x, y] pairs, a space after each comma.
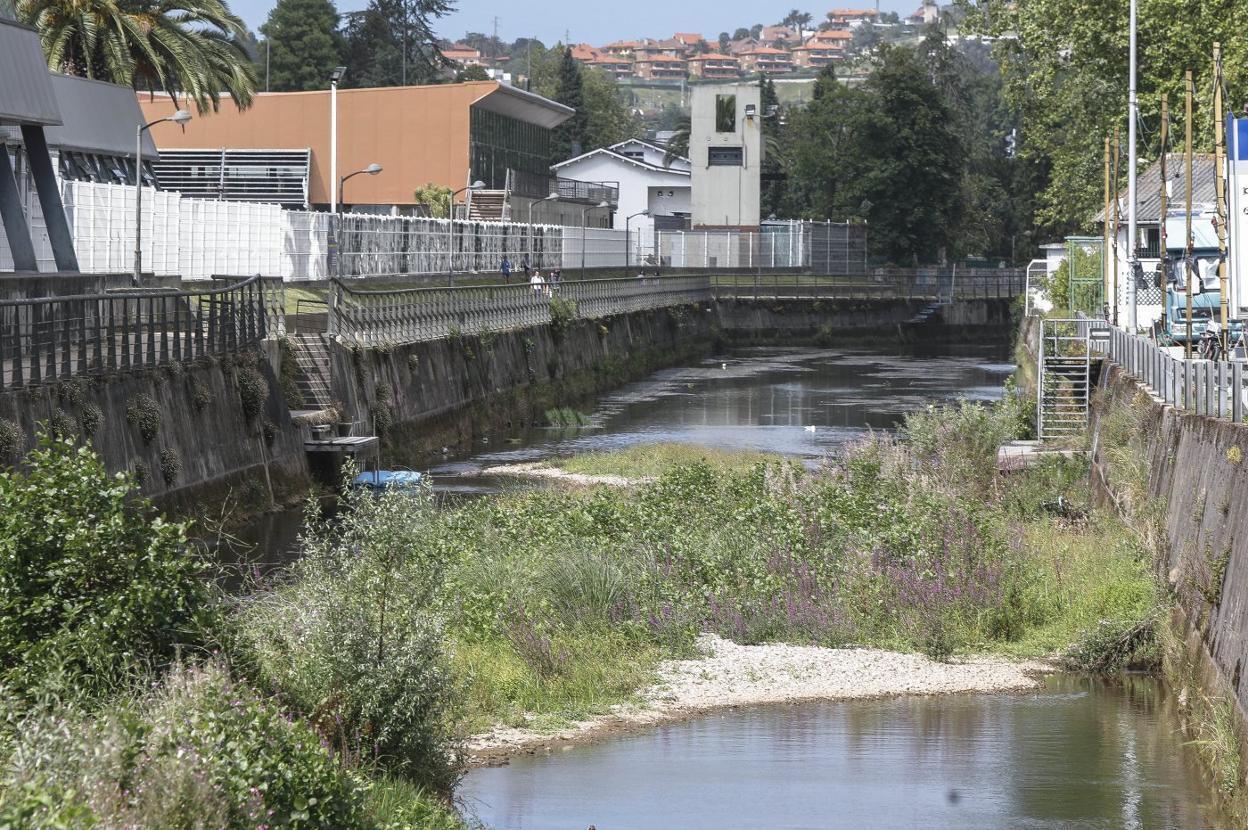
{"points": [[602, 21]]}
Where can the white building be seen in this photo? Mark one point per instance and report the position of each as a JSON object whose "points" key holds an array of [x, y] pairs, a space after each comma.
{"points": [[726, 155], [645, 183]]}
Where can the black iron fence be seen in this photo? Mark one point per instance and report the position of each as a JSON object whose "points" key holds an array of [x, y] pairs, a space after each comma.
{"points": [[50, 339]]}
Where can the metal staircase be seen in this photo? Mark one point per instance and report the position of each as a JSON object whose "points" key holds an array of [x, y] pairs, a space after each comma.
{"points": [[925, 314], [1065, 379]]}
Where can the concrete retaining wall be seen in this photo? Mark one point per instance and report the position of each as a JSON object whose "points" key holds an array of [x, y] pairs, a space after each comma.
{"points": [[846, 320], [1198, 475], [450, 393], [200, 446]]}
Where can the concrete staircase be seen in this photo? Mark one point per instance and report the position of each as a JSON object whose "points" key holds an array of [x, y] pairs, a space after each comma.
{"points": [[489, 206], [925, 314], [312, 361]]}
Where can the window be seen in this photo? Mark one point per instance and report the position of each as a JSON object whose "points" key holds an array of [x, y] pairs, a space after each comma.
{"points": [[725, 156], [725, 113]]}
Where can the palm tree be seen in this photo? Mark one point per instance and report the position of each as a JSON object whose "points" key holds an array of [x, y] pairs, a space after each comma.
{"points": [[188, 48], [678, 145]]}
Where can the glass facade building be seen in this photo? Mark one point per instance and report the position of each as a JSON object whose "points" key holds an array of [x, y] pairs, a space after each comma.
{"points": [[498, 143]]}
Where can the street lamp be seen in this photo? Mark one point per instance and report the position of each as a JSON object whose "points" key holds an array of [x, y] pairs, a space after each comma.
{"points": [[584, 218], [627, 219], [181, 117], [372, 170], [334, 78], [551, 198], [450, 229]]}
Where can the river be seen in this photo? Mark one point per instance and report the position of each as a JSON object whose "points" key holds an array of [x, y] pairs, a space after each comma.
{"points": [[1081, 753]]}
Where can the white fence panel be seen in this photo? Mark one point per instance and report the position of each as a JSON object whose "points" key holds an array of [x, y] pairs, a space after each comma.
{"points": [[101, 219], [593, 248], [220, 237], [304, 246]]}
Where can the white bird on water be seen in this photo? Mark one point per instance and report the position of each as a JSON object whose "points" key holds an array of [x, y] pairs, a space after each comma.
{"points": [[723, 365], [810, 428]]}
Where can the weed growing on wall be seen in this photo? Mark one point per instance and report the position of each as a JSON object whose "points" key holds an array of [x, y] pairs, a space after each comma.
{"points": [[89, 419], [12, 440], [253, 391], [143, 413]]}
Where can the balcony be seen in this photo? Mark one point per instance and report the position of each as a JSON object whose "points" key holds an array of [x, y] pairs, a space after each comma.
{"points": [[535, 186]]}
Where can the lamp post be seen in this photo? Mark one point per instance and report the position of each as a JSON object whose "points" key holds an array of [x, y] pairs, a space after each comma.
{"points": [[334, 78], [372, 170], [552, 197], [181, 117], [450, 229], [584, 219], [627, 246]]}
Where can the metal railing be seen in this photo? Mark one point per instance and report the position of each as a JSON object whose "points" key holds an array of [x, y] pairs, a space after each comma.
{"points": [[884, 284], [375, 318], [1204, 387], [50, 339]]}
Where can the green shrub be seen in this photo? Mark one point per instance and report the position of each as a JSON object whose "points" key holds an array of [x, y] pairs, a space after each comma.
{"points": [[90, 589], [563, 312], [201, 751], [351, 639], [170, 465], [201, 395]]}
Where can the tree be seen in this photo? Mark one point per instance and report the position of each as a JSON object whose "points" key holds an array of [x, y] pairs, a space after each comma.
{"points": [[887, 152], [569, 138], [741, 34], [724, 40], [188, 48], [796, 19], [392, 43], [303, 43], [756, 30], [471, 73], [1064, 68], [435, 197]]}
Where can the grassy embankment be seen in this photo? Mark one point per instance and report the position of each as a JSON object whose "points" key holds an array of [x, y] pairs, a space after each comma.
{"points": [[338, 696]]}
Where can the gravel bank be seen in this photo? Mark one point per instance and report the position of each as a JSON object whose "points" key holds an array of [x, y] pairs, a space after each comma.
{"points": [[731, 675], [543, 471]]}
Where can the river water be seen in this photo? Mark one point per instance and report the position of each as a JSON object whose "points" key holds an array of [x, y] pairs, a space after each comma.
{"points": [[1081, 753]]}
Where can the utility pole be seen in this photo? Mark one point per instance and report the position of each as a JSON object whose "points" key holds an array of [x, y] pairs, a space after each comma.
{"points": [[1219, 165], [1189, 243], [1105, 243], [1133, 116], [1165, 209], [267, 49], [494, 44], [1117, 221], [404, 42]]}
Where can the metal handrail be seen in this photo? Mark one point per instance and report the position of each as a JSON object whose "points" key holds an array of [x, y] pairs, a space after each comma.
{"points": [[44, 340]]}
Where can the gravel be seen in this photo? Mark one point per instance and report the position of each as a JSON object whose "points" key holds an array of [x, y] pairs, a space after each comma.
{"points": [[731, 675]]}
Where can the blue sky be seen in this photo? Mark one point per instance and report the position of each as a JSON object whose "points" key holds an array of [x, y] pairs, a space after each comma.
{"points": [[601, 21]]}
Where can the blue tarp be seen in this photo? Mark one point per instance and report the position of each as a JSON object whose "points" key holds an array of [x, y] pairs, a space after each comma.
{"points": [[381, 479]]}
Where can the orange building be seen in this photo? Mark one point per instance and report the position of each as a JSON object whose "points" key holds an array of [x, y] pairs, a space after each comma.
{"points": [[766, 60], [658, 67], [815, 55], [715, 65], [445, 134]]}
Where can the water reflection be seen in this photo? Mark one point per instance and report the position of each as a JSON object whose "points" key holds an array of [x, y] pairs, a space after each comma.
{"points": [[1080, 753], [757, 399]]}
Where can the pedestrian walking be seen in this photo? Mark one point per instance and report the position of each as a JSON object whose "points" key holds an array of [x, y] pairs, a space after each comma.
{"points": [[539, 284], [506, 269], [524, 263]]}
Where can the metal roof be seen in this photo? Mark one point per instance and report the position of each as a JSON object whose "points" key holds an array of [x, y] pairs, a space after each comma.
{"points": [[524, 106], [26, 95], [1148, 188], [98, 117]]}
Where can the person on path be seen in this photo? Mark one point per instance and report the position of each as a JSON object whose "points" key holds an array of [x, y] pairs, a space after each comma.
{"points": [[539, 284], [524, 263], [506, 269]]}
